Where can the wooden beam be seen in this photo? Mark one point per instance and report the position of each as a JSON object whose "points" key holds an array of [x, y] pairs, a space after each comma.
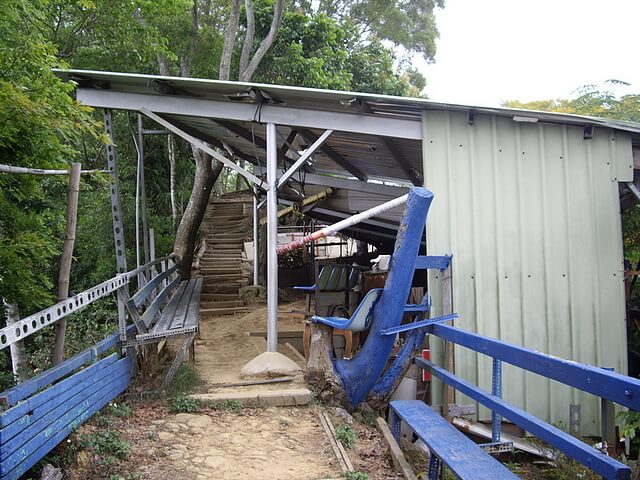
{"points": [[333, 155], [411, 173], [397, 456]]}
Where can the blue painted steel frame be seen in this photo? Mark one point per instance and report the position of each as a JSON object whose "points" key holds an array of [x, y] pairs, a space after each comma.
{"points": [[585, 454], [360, 374], [613, 386]]}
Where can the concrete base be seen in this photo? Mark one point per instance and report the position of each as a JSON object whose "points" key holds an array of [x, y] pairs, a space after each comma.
{"points": [[261, 398], [270, 364]]}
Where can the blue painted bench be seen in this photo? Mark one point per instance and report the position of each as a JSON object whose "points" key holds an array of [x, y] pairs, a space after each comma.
{"points": [[465, 458], [174, 312]]}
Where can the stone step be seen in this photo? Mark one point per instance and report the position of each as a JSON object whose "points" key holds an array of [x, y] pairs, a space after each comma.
{"points": [[223, 311]]}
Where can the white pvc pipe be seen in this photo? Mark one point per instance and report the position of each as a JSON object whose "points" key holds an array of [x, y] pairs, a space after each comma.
{"points": [[341, 225], [272, 239], [255, 238]]}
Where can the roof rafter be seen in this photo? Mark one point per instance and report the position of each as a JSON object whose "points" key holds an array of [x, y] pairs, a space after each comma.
{"points": [[333, 155]]}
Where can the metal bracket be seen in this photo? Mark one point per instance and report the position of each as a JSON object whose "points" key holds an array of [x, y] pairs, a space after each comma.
{"points": [[497, 447]]}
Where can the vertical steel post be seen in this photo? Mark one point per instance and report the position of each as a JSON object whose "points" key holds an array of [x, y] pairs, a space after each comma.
{"points": [[143, 195], [116, 216], [496, 389], [272, 239], [255, 236]]}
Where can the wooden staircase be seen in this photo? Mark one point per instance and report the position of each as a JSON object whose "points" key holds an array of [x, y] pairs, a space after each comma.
{"points": [[227, 225]]}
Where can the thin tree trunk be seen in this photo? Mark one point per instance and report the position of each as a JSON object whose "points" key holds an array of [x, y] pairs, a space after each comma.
{"points": [[187, 61], [187, 234], [229, 41], [172, 181], [265, 45], [18, 353], [249, 35], [67, 257]]}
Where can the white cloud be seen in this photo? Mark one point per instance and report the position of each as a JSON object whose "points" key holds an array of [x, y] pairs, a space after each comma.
{"points": [[493, 50]]}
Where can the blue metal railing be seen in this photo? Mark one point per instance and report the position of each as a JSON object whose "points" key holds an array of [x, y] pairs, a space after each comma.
{"points": [[603, 383]]}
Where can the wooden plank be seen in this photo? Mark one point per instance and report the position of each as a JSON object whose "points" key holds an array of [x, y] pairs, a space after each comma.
{"points": [[193, 314], [183, 307], [338, 449], [141, 295], [397, 456], [295, 351], [149, 316], [458, 452], [39, 425], [166, 317], [103, 399], [19, 392], [22, 415]]}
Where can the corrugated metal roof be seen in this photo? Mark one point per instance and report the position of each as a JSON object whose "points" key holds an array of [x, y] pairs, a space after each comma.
{"points": [[326, 100]]}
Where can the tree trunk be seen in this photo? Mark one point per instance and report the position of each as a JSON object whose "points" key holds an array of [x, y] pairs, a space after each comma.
{"points": [[249, 35], [187, 234], [171, 150], [18, 353], [319, 373], [67, 257], [265, 45], [229, 41]]}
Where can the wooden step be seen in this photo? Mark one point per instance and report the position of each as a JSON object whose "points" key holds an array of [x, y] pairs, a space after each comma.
{"points": [[219, 296], [217, 289], [218, 271], [221, 304], [223, 311]]}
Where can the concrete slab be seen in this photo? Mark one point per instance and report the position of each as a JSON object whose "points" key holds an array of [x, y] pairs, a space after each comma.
{"points": [[270, 364], [260, 398]]}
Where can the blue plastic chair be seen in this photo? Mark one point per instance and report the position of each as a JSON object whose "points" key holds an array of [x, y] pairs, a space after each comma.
{"points": [[360, 319]]}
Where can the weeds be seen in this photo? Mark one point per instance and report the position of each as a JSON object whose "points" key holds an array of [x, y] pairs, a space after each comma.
{"points": [[227, 405], [185, 404], [186, 380], [346, 435], [355, 476], [107, 444], [121, 410]]}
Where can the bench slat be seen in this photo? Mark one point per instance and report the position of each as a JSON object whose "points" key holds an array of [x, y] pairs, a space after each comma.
{"points": [[464, 457], [177, 321], [152, 311], [141, 295], [181, 314], [193, 314]]}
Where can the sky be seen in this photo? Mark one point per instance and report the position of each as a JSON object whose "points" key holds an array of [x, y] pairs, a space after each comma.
{"points": [[495, 50]]}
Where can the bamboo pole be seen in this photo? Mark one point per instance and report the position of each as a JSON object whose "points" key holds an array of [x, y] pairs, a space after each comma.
{"points": [[307, 201], [67, 256], [41, 171]]}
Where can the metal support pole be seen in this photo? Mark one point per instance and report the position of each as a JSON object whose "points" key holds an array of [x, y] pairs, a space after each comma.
{"points": [[272, 239], [118, 230], [255, 237], [496, 389], [143, 195]]}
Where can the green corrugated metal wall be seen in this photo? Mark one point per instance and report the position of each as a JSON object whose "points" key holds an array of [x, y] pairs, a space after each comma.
{"points": [[530, 212]]}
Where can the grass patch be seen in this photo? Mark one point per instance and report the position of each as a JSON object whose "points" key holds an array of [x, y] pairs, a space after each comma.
{"points": [[106, 444], [186, 380], [355, 476], [121, 410], [227, 405], [185, 404], [346, 435]]}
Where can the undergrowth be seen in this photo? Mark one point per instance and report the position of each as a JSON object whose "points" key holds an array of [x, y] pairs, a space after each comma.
{"points": [[185, 404], [346, 435]]}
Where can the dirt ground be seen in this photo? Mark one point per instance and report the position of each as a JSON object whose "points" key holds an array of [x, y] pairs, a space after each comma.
{"points": [[277, 443]]}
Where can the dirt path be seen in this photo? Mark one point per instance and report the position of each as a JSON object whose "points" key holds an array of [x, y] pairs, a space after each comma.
{"points": [[226, 442]]}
